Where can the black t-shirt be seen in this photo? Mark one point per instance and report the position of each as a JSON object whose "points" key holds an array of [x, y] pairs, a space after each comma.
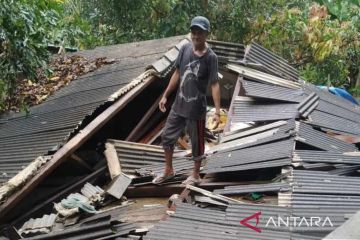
{"points": [[195, 75]]}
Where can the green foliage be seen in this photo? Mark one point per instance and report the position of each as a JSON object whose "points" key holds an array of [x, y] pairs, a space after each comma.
{"points": [[324, 48], [23, 40], [321, 40], [355, 91]]}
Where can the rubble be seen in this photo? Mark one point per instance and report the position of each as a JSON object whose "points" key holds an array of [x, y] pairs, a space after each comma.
{"points": [[275, 168]]}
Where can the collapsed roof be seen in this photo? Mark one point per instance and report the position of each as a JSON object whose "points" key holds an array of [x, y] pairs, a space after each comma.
{"points": [[281, 131]]}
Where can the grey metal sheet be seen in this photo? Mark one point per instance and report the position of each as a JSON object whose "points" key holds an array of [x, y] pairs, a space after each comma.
{"points": [[267, 187], [321, 200], [250, 141], [189, 211], [345, 170], [43, 122], [195, 230], [308, 105], [38, 225], [335, 110], [260, 90], [90, 191], [312, 166], [333, 99], [325, 157], [174, 229], [18, 151], [298, 236], [260, 165], [330, 121], [323, 183], [145, 159], [273, 63], [87, 231], [205, 224], [227, 51], [240, 133], [307, 134], [247, 111], [271, 151]]}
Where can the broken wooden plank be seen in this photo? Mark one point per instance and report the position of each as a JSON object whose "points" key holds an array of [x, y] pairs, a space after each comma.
{"points": [[183, 144], [212, 195], [155, 132], [112, 160], [81, 162], [154, 190], [231, 108], [135, 133]]}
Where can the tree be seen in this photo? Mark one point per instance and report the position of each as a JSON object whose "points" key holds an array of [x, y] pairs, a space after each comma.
{"points": [[23, 41]]}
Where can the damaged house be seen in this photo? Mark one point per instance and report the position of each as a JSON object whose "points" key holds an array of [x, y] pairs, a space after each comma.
{"points": [[284, 165]]}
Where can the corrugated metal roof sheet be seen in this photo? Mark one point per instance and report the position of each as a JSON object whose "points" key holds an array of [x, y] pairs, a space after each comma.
{"points": [[335, 110], [207, 224], [308, 135], [144, 158], [267, 155], [268, 91], [267, 187], [308, 105], [273, 63], [249, 111], [330, 121], [38, 225], [325, 157], [331, 98], [324, 183], [227, 51]]}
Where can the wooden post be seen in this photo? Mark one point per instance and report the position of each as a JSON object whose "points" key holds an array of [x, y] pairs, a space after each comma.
{"points": [[112, 160]]}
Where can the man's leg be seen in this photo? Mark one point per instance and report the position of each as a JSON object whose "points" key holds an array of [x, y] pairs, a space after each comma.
{"points": [[196, 129], [169, 170], [172, 130]]}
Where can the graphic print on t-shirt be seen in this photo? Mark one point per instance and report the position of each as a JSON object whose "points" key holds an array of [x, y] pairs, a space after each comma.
{"points": [[188, 86]]}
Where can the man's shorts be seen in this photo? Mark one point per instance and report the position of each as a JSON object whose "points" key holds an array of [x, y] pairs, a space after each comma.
{"points": [[195, 128]]}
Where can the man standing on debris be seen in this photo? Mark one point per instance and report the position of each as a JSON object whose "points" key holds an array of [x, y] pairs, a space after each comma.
{"points": [[196, 67]]}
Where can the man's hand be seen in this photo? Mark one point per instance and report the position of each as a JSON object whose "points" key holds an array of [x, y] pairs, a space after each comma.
{"points": [[216, 118], [162, 104]]}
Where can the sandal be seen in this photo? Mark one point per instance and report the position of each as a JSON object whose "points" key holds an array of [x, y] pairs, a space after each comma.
{"points": [[162, 178], [191, 181]]}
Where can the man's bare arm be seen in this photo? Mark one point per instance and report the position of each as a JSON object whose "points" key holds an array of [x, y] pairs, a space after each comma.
{"points": [[215, 91], [174, 81]]}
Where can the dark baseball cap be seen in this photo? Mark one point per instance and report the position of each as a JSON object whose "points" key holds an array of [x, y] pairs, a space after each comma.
{"points": [[201, 22]]}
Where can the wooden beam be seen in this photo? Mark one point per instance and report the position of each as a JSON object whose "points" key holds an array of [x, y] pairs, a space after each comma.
{"points": [[153, 191], [231, 108], [112, 160], [81, 162], [73, 144], [149, 136], [134, 135]]}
